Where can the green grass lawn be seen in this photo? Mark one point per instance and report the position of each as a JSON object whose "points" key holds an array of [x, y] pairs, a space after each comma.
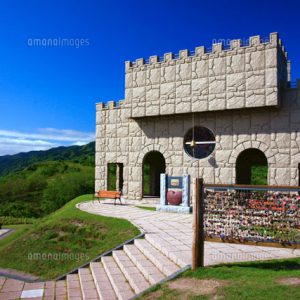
{"points": [[19, 230], [256, 280], [146, 207], [62, 241]]}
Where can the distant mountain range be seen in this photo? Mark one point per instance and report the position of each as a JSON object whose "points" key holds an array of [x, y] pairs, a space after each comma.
{"points": [[84, 155]]}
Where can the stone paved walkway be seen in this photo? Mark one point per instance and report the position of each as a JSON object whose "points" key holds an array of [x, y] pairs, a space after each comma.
{"points": [[172, 234]]}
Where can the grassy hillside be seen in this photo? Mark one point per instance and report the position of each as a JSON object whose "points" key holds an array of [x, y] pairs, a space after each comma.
{"points": [[37, 183], [62, 241], [84, 155], [43, 187]]}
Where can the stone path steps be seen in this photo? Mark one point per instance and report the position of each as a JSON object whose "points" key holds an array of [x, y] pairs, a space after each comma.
{"points": [[149, 270], [179, 253], [122, 275], [118, 280], [164, 264], [74, 287], [87, 284], [102, 282], [134, 276]]}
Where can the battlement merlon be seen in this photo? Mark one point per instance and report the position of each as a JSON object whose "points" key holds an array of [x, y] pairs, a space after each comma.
{"points": [[109, 105], [217, 48]]}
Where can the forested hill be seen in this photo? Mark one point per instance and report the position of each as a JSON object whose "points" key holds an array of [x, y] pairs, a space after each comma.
{"points": [[84, 155], [37, 183]]}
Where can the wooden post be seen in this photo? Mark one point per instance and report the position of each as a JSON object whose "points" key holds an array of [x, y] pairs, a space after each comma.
{"points": [[198, 225]]}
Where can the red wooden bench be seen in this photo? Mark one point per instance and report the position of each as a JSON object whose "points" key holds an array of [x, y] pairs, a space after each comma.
{"points": [[109, 195]]}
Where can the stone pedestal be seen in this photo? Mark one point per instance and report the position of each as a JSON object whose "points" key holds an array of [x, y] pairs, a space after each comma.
{"points": [[174, 209]]}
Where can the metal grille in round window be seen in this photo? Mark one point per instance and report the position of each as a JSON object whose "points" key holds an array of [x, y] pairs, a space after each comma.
{"points": [[199, 142]]}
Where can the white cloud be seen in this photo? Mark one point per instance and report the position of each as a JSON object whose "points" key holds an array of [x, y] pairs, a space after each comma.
{"points": [[57, 135], [67, 132], [79, 143], [12, 142], [19, 141]]}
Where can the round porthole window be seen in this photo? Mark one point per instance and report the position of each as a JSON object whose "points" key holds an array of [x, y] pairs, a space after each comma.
{"points": [[199, 142]]}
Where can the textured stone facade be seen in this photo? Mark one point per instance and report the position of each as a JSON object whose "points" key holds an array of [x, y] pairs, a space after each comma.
{"points": [[240, 94], [240, 77]]}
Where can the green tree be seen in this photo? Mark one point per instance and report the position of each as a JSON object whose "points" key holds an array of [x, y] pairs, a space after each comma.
{"points": [[64, 188]]}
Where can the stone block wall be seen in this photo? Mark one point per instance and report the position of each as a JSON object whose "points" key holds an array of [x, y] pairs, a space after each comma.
{"points": [[240, 77], [275, 131]]}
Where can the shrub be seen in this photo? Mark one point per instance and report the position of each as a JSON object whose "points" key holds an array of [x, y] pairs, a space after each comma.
{"points": [[14, 221]]}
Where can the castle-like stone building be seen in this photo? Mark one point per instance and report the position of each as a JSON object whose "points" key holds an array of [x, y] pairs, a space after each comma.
{"points": [[211, 114]]}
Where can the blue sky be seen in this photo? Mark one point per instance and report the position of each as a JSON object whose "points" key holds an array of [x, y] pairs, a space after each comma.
{"points": [[48, 93]]}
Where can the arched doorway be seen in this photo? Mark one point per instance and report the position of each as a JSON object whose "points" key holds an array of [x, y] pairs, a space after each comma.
{"points": [[153, 165], [252, 167]]}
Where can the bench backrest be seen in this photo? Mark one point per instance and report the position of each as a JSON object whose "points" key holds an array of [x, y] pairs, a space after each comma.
{"points": [[109, 194]]}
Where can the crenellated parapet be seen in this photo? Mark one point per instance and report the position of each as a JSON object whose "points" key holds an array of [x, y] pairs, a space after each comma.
{"points": [[241, 76], [217, 48]]}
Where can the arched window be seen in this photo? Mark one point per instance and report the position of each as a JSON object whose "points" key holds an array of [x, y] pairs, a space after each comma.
{"points": [[252, 167], [199, 142]]}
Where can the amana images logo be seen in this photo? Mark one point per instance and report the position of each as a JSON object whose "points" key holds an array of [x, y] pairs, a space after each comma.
{"points": [[58, 42]]}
